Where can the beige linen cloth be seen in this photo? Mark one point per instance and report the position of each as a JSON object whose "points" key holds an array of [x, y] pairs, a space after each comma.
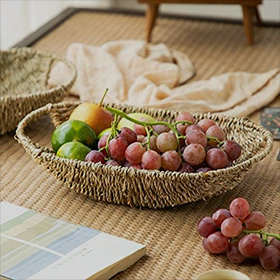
{"points": [[148, 75]]}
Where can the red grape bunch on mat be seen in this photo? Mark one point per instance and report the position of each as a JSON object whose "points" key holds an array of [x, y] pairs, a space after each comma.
{"points": [[238, 233]]}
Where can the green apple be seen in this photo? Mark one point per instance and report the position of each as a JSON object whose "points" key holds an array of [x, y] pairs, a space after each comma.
{"points": [[106, 131], [138, 116]]}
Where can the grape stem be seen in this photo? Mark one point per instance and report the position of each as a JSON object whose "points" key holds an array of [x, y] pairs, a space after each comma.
{"points": [[262, 233], [112, 134], [147, 124]]}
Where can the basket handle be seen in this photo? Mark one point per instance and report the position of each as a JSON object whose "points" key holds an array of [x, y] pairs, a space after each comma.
{"points": [[70, 82], [32, 148]]}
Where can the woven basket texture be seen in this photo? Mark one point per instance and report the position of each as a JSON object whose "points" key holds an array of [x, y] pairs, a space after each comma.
{"points": [[23, 77], [145, 188]]}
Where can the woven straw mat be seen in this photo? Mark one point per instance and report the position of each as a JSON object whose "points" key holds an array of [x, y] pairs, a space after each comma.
{"points": [[174, 248]]}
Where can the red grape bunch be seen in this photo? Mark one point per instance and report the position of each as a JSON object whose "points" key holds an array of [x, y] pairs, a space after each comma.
{"points": [[183, 146], [238, 233]]}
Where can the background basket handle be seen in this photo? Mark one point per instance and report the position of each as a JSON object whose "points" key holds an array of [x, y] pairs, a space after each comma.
{"points": [[32, 148], [70, 82]]}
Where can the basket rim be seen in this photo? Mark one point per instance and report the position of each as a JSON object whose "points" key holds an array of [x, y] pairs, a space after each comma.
{"points": [[37, 151], [66, 86]]}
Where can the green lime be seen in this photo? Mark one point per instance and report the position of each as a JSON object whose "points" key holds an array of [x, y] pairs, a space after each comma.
{"points": [[73, 130], [106, 131], [75, 150]]}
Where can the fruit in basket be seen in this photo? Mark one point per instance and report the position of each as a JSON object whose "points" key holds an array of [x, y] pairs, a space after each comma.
{"points": [[73, 130], [117, 147], [166, 142], [134, 153], [216, 158], [194, 154], [94, 115], [95, 156], [139, 141], [170, 160], [232, 149], [137, 116], [151, 160], [73, 150], [128, 134], [106, 131], [224, 232]]}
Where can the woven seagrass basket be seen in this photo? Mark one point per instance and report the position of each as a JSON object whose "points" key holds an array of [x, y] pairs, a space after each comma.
{"points": [[145, 188], [24, 74]]}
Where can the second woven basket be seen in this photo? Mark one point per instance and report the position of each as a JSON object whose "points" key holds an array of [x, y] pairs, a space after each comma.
{"points": [[24, 74]]}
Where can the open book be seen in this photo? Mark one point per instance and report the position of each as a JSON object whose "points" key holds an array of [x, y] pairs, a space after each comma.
{"points": [[37, 246]]}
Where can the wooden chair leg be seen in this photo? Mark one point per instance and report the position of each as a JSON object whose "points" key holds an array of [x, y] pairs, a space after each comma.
{"points": [[248, 13], [258, 17], [151, 15]]}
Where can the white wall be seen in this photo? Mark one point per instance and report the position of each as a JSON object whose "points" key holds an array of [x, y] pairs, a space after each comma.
{"points": [[20, 18], [270, 9]]}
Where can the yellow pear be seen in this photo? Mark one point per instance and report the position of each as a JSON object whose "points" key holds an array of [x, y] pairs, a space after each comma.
{"points": [[94, 115]]}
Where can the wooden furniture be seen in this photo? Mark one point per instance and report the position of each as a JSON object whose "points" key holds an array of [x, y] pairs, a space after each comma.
{"points": [[249, 7]]}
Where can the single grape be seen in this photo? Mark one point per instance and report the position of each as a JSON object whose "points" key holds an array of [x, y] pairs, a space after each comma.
{"points": [[233, 253], [255, 220], [250, 245], [160, 128], [194, 154], [220, 215], [203, 169], [134, 153], [216, 131], [205, 124], [206, 226], [185, 116], [153, 143], [140, 129], [117, 147], [185, 168], [182, 128], [191, 128], [275, 242], [216, 158], [140, 138], [181, 140], [151, 160], [112, 162], [128, 134], [205, 246], [270, 257], [217, 243], [232, 149], [166, 142], [239, 208], [95, 156], [102, 143], [136, 166], [231, 227], [170, 160], [196, 137]]}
